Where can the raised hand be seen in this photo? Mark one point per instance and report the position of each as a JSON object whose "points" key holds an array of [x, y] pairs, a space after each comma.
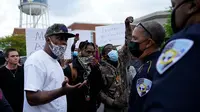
{"points": [[129, 20], [128, 32], [76, 37]]}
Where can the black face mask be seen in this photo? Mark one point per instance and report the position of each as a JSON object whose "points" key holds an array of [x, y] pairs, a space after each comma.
{"points": [[173, 18], [134, 48]]}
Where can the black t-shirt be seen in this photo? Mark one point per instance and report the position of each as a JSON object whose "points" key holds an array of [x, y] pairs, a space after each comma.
{"points": [[4, 105], [76, 98], [12, 85]]}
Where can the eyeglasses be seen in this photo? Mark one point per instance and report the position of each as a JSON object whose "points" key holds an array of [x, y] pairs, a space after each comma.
{"points": [[140, 24]]}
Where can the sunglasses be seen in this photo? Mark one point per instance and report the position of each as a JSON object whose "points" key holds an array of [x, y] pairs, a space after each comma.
{"points": [[140, 24]]}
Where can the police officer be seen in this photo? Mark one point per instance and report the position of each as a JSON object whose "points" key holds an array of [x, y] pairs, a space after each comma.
{"points": [[176, 85], [147, 38]]}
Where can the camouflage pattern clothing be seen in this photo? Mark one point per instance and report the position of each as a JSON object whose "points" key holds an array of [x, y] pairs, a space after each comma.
{"points": [[56, 29], [112, 93], [115, 94]]}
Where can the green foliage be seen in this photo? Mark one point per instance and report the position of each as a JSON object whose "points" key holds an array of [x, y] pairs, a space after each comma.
{"points": [[17, 42], [168, 27]]}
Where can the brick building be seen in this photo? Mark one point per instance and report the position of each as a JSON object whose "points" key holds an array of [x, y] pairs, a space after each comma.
{"points": [[74, 26], [86, 26]]}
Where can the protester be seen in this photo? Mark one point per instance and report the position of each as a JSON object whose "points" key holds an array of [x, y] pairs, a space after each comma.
{"points": [[4, 105], [67, 69], [145, 45], [12, 80], [45, 84], [114, 67], [175, 88], [111, 93], [126, 59], [84, 69]]}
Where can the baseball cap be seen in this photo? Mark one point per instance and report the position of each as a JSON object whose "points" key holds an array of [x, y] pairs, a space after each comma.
{"points": [[57, 29]]}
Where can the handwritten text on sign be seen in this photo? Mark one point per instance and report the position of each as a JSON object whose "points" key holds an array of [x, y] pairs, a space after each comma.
{"points": [[113, 34], [35, 40]]}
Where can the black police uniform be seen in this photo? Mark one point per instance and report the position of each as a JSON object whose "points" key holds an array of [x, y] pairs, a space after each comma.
{"points": [[145, 71], [177, 89]]}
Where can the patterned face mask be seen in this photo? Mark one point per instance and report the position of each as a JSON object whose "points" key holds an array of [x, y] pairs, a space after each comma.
{"points": [[86, 60], [57, 50]]}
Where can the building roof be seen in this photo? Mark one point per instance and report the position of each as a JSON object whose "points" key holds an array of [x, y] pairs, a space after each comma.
{"points": [[84, 26], [152, 16], [19, 31]]}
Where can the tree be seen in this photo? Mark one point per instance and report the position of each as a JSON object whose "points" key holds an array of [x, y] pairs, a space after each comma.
{"points": [[168, 28], [17, 42]]}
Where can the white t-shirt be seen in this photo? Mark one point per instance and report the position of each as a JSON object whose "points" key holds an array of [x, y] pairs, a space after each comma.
{"points": [[43, 73]]}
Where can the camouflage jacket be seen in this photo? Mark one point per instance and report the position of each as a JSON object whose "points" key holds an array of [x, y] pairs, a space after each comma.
{"points": [[112, 85], [116, 80]]}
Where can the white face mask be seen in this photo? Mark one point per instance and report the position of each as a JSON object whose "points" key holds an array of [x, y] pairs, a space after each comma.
{"points": [[58, 50]]}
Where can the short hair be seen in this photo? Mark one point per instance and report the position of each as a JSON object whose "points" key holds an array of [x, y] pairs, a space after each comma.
{"points": [[85, 44], [103, 52], [82, 44], [157, 31], [89, 44], [6, 54]]}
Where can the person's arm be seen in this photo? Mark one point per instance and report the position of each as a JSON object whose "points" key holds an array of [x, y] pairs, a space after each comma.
{"points": [[110, 101], [74, 43], [4, 105], [43, 97], [103, 96], [73, 47], [133, 95], [124, 52], [106, 99], [34, 78]]}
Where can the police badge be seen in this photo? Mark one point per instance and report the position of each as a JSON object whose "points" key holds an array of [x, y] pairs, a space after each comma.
{"points": [[172, 53], [143, 86]]}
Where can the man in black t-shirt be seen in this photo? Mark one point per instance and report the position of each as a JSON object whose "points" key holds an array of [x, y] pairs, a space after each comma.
{"points": [[12, 80]]}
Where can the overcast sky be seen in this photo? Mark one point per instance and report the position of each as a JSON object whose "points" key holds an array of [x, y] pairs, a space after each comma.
{"points": [[89, 11]]}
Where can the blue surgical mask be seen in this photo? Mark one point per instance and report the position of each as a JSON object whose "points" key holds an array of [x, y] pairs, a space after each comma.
{"points": [[75, 53], [113, 55]]}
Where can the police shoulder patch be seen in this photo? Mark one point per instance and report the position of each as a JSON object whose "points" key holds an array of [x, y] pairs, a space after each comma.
{"points": [[172, 53], [143, 86]]}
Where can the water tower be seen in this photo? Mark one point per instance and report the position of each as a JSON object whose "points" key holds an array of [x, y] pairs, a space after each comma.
{"points": [[34, 14]]}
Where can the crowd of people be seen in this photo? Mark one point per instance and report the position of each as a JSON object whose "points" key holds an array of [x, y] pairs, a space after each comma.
{"points": [[142, 76]]}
